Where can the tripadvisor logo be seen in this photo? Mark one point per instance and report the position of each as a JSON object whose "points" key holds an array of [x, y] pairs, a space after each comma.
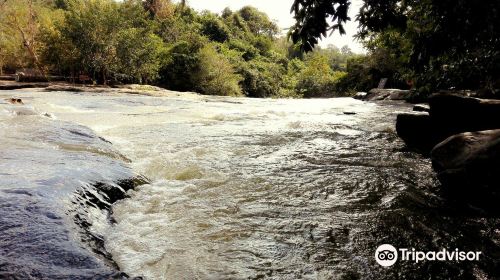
{"points": [[387, 255]]}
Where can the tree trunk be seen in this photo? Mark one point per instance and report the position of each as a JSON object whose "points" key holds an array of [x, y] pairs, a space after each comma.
{"points": [[29, 39], [104, 77]]}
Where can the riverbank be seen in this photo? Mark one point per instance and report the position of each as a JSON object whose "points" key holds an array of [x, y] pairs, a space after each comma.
{"points": [[69, 87]]}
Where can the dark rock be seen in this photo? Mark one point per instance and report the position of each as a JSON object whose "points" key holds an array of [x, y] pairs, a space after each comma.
{"points": [[468, 165], [15, 101], [448, 115], [65, 88], [454, 114], [30, 75], [387, 94], [421, 108], [418, 131], [349, 113]]}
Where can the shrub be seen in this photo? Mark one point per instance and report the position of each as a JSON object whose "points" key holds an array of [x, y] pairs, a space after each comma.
{"points": [[216, 75]]}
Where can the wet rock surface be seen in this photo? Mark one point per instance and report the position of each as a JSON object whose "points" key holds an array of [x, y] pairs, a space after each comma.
{"points": [[421, 108], [57, 182], [456, 114]]}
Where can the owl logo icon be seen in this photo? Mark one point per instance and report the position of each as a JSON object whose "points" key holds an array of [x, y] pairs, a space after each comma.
{"points": [[386, 255]]}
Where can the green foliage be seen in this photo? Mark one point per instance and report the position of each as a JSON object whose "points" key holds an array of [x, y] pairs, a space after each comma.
{"points": [[318, 79], [261, 78], [182, 64], [258, 22], [139, 55], [439, 43], [105, 39], [92, 27], [168, 44], [20, 27], [313, 20], [214, 28], [58, 52], [360, 75], [216, 75]]}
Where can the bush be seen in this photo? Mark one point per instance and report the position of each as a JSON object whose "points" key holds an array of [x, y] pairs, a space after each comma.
{"points": [[317, 79], [261, 78], [214, 28], [139, 53], [181, 62], [216, 75]]}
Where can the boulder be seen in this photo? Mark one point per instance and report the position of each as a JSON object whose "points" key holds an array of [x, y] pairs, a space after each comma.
{"points": [[388, 94], [448, 115], [468, 165], [455, 114], [418, 131]]}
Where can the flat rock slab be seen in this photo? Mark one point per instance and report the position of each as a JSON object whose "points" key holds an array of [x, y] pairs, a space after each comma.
{"points": [[15, 85], [387, 94]]}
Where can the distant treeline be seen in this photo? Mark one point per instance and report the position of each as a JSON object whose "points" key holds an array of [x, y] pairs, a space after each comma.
{"points": [[160, 42]]}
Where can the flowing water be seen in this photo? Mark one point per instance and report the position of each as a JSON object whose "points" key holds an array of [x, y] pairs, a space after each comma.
{"points": [[246, 188]]}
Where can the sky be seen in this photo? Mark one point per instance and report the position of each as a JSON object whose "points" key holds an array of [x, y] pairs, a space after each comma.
{"points": [[279, 11]]}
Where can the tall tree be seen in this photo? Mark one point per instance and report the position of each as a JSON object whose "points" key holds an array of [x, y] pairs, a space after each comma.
{"points": [[22, 19], [92, 27]]}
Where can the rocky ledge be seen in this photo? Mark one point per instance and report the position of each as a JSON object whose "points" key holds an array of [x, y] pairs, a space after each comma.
{"points": [[448, 115], [377, 94], [462, 137]]}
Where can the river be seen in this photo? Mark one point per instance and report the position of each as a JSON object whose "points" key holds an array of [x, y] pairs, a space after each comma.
{"points": [[235, 188]]}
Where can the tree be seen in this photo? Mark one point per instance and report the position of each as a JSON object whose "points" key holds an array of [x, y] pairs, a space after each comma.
{"points": [[216, 75], [58, 53], [214, 28], [113, 40], [182, 63], [258, 22], [443, 34], [160, 9], [317, 78], [92, 27], [313, 20], [21, 20], [139, 54], [345, 50]]}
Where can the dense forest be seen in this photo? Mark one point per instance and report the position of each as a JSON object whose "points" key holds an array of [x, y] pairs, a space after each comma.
{"points": [[432, 44], [244, 53]]}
